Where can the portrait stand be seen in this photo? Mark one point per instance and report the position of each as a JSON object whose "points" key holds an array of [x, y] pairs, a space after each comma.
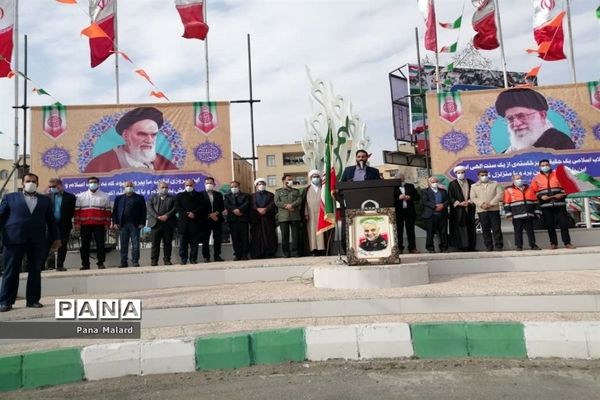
{"points": [[370, 222]]}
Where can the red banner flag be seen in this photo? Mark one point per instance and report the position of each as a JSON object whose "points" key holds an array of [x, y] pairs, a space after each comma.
{"points": [[547, 27], [102, 13], [7, 18], [192, 16], [428, 9], [484, 23]]}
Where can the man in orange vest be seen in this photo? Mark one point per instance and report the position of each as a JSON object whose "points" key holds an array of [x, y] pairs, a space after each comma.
{"points": [[521, 206], [551, 195]]}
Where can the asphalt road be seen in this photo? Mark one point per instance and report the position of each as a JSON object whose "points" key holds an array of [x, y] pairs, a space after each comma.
{"points": [[373, 380]]}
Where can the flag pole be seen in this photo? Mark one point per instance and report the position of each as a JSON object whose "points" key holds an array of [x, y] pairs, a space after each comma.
{"points": [[16, 64], [505, 75], [206, 55], [437, 57], [571, 53], [116, 32]]}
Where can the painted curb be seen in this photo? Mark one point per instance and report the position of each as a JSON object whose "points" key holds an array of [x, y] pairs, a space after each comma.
{"points": [[388, 340]]}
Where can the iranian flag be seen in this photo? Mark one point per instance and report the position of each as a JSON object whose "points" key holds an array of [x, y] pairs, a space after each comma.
{"points": [[575, 182], [547, 28], [327, 208], [427, 7], [192, 16], [7, 19], [484, 23], [102, 13]]}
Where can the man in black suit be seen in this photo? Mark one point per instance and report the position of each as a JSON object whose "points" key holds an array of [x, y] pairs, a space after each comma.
{"points": [[361, 171], [129, 216], [63, 208], [212, 202], [435, 214], [189, 214], [25, 219], [237, 205], [162, 223], [462, 211], [405, 197]]}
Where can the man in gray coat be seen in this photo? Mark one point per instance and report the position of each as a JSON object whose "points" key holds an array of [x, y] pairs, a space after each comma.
{"points": [[162, 221]]}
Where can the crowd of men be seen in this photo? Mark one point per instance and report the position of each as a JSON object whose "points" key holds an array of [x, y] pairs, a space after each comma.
{"points": [[39, 226]]}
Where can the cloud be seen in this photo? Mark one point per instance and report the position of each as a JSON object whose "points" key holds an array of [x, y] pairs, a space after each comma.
{"points": [[352, 43]]}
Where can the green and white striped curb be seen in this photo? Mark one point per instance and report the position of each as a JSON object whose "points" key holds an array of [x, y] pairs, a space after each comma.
{"points": [[579, 340]]}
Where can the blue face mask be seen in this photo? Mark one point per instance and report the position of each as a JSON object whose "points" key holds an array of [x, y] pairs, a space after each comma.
{"points": [[545, 168], [53, 190]]}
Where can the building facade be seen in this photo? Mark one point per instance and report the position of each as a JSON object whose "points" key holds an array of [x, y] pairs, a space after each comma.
{"points": [[242, 172], [274, 160]]}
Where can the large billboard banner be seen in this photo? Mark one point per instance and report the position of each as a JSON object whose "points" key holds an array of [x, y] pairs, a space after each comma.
{"points": [[141, 143], [508, 131]]}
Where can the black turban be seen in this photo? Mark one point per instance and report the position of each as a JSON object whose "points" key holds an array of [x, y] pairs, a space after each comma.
{"points": [[520, 97], [139, 114]]}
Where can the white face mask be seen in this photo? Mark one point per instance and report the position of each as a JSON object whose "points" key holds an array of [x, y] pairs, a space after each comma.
{"points": [[289, 183], [460, 176], [235, 190], [261, 188], [519, 182], [209, 186], [316, 181], [484, 179], [163, 190], [30, 187], [189, 188], [434, 185], [128, 189], [93, 186]]}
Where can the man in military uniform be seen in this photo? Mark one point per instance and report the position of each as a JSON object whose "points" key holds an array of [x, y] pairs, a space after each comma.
{"points": [[288, 201], [373, 241]]}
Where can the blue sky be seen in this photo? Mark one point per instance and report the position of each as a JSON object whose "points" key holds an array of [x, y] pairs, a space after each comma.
{"points": [[352, 43]]}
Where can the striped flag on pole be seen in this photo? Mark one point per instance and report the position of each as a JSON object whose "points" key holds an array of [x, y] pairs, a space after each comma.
{"points": [[547, 28], [7, 20], [102, 13], [192, 17], [427, 7], [327, 208]]}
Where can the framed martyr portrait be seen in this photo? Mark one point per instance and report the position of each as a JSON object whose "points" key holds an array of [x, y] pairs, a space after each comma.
{"points": [[371, 236]]}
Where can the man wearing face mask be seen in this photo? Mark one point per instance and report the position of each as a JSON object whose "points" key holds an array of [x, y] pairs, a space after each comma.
{"points": [[162, 222], [129, 216], [288, 201], [361, 171], [462, 211], [237, 205], [487, 196], [521, 206], [263, 225], [213, 223], [24, 219], [311, 202], [190, 212], [92, 218], [435, 215], [63, 207], [551, 195], [405, 197]]}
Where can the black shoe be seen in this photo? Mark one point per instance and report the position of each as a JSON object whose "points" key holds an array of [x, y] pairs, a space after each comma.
{"points": [[206, 259], [123, 266], [236, 258], [218, 258], [35, 305], [194, 261], [5, 308], [498, 249], [153, 263], [519, 249], [182, 262], [136, 264], [430, 251], [287, 255], [535, 247], [489, 249], [84, 268], [244, 258], [168, 262], [101, 266], [61, 269]]}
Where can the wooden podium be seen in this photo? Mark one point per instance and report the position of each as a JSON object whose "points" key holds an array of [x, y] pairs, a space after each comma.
{"points": [[370, 221]]}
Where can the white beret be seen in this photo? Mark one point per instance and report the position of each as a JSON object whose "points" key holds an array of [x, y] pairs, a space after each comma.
{"points": [[459, 168], [314, 172], [257, 180]]}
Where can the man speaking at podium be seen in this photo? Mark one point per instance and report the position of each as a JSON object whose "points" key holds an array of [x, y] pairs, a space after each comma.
{"points": [[361, 171]]}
